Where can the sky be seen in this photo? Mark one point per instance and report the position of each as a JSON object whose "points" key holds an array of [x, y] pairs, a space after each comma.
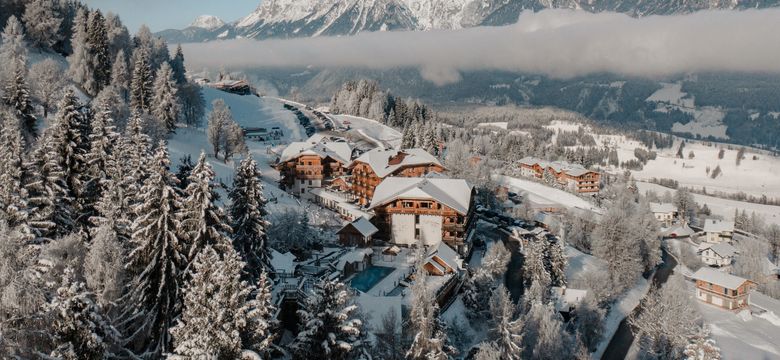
{"points": [[559, 43], [172, 14]]}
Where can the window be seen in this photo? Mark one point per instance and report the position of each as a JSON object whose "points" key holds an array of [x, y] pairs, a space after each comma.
{"points": [[408, 204], [417, 219], [416, 233], [725, 291], [425, 205]]}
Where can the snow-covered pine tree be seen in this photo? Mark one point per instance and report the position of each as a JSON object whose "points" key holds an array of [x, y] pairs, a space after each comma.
{"points": [[100, 56], [141, 88], [135, 146], [259, 317], [42, 23], [165, 101], [13, 202], [329, 329], [506, 330], [17, 97], [177, 65], [193, 104], [156, 262], [47, 81], [81, 70], [80, 330], [216, 303], [120, 75], [104, 265], [534, 269], [13, 50], [52, 212], [429, 340], [612, 243], [202, 221], [557, 263], [647, 235], [118, 36], [101, 166], [247, 213]]}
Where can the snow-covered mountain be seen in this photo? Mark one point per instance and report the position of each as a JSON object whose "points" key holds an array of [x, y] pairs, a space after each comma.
{"points": [[208, 22], [305, 18]]}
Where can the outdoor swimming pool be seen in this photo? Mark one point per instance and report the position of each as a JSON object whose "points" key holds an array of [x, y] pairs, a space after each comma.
{"points": [[369, 277]]}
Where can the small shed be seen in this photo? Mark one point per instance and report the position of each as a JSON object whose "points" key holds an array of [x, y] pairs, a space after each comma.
{"points": [[359, 233]]}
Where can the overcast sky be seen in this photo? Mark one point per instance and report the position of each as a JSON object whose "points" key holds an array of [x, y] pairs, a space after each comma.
{"points": [[172, 14], [559, 43]]}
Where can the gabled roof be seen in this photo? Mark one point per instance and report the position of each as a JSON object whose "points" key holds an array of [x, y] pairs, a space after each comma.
{"points": [[724, 250], [716, 277], [320, 146], [455, 193], [662, 208], [356, 255], [717, 226], [379, 160], [575, 170], [446, 254], [282, 262], [362, 225]]}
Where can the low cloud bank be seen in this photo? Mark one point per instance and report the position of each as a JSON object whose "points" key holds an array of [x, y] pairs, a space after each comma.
{"points": [[558, 43]]}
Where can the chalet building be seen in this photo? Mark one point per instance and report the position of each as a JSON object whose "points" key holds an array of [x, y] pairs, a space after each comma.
{"points": [[442, 260], [721, 289], [357, 233], [572, 176], [372, 167], [718, 231], [665, 213], [720, 254], [310, 164], [410, 211]]}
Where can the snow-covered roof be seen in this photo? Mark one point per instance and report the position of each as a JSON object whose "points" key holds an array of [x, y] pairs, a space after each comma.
{"points": [[455, 193], [446, 254], [566, 298], [283, 262], [559, 166], [681, 230], [363, 226], [716, 277], [356, 255], [718, 226], [379, 160], [318, 145], [724, 250], [664, 208]]}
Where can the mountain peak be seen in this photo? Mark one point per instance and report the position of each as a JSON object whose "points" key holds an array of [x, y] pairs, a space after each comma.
{"points": [[208, 22]]}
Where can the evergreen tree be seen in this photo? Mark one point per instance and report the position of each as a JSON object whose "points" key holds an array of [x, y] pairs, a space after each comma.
{"points": [[70, 144], [203, 222], [165, 102], [534, 268], [328, 327], [141, 84], [17, 97], [157, 261], [558, 263], [177, 65], [135, 146], [52, 212], [184, 170], [120, 75], [259, 334], [13, 51], [80, 330], [217, 309], [81, 69], [247, 212], [193, 104], [13, 203], [100, 57], [100, 162], [429, 340], [506, 331], [104, 264], [42, 23]]}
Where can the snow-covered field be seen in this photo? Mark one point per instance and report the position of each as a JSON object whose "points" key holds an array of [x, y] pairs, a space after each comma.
{"points": [[707, 120], [723, 207], [541, 194], [381, 135], [500, 125]]}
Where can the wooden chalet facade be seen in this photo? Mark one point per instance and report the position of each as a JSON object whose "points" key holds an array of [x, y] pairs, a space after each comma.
{"points": [[371, 168], [310, 164], [721, 289], [573, 176], [411, 211], [357, 233]]}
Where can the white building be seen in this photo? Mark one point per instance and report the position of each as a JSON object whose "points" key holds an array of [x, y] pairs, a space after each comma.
{"points": [[718, 231], [566, 300], [665, 213], [720, 254]]}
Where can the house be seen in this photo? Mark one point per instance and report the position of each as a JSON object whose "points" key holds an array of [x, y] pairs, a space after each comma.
{"points": [[357, 233], [370, 168], [572, 176], [309, 164], [354, 261], [566, 300], [721, 289], [718, 231], [443, 260], [409, 211], [720, 254], [282, 264], [665, 213], [770, 270]]}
